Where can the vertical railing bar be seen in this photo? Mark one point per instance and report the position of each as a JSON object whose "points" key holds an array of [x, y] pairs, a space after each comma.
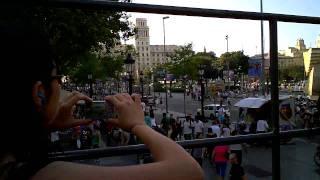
{"points": [[274, 99]]}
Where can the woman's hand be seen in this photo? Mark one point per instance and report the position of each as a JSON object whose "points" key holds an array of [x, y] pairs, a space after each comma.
{"points": [[64, 117], [129, 111]]}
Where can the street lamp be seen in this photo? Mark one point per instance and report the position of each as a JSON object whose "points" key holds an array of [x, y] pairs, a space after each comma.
{"points": [[129, 67], [165, 56], [184, 78], [240, 76], [201, 73], [228, 63], [141, 82], [90, 84]]}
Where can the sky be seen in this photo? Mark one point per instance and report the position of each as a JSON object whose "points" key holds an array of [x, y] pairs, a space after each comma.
{"points": [[243, 34]]}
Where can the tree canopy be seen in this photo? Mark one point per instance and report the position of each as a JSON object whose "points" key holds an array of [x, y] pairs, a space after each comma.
{"points": [[73, 33], [186, 62], [236, 59], [292, 73]]}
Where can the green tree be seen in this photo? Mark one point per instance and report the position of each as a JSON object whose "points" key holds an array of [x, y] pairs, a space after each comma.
{"points": [[236, 60], [291, 73], [181, 60], [73, 33], [101, 65]]}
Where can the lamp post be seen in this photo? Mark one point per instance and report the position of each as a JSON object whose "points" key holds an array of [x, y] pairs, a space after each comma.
{"points": [[90, 85], [141, 83], [240, 76], [184, 78], [129, 67], [262, 77], [200, 73], [228, 68], [165, 56]]}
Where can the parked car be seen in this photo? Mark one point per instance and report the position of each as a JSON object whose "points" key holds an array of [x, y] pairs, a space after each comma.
{"points": [[213, 109]]}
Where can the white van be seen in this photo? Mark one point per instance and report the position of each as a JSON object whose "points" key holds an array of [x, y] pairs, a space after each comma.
{"points": [[213, 109]]}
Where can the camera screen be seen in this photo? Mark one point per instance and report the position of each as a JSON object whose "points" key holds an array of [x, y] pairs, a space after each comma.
{"points": [[96, 110]]}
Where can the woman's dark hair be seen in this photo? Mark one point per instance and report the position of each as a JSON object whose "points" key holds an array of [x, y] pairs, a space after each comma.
{"points": [[27, 58]]}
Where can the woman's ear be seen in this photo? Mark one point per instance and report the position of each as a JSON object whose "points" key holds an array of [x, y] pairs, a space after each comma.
{"points": [[38, 95]]}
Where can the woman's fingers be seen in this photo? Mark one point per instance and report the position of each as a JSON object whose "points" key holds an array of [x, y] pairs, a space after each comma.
{"points": [[127, 96], [75, 98], [112, 99], [136, 98]]}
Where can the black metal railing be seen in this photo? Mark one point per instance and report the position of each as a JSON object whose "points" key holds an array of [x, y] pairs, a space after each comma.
{"points": [[141, 148], [187, 11]]}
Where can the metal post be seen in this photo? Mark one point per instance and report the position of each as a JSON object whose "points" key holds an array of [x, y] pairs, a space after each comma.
{"points": [[184, 97], [228, 63], [130, 83], [262, 53], [202, 98], [142, 90], [274, 99], [90, 85], [165, 84], [164, 51], [170, 88]]}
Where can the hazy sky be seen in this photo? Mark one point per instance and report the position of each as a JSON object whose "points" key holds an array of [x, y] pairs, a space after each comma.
{"points": [[210, 32]]}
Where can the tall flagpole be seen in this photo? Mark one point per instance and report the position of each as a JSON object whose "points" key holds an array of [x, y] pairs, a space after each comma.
{"points": [[262, 78]]}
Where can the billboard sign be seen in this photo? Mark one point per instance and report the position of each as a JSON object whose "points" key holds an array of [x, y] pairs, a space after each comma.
{"points": [[255, 67]]}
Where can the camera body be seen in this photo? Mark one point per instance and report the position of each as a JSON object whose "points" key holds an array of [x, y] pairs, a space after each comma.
{"points": [[95, 110]]}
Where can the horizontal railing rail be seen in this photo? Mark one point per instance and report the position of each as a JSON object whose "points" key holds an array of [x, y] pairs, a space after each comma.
{"points": [[201, 12], [186, 11], [137, 149]]}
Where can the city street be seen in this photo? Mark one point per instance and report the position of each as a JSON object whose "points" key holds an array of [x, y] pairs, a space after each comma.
{"points": [[176, 105], [296, 162], [296, 157]]}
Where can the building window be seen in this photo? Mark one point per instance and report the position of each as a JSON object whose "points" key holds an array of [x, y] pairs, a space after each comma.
{"points": [[157, 55], [138, 42], [147, 59], [142, 42], [147, 47], [147, 54], [147, 63], [142, 48], [142, 54]]}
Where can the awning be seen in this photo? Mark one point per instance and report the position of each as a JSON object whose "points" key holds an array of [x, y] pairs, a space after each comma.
{"points": [[251, 102]]}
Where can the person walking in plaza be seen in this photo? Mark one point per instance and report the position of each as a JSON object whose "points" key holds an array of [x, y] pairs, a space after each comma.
{"points": [[173, 127], [221, 113], [220, 156], [225, 130], [147, 119], [153, 119], [179, 126], [215, 128], [262, 126], [236, 148], [165, 123], [236, 171], [187, 128], [198, 153], [198, 128]]}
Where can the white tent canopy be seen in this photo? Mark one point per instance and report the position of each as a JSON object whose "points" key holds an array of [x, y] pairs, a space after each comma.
{"points": [[251, 102]]}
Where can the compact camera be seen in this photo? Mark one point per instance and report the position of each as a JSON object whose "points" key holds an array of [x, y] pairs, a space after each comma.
{"points": [[95, 110]]}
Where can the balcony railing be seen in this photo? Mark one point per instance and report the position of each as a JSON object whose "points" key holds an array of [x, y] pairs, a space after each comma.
{"points": [[273, 20]]}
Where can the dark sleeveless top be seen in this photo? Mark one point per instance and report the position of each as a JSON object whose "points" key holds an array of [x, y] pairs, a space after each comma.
{"points": [[20, 170]]}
